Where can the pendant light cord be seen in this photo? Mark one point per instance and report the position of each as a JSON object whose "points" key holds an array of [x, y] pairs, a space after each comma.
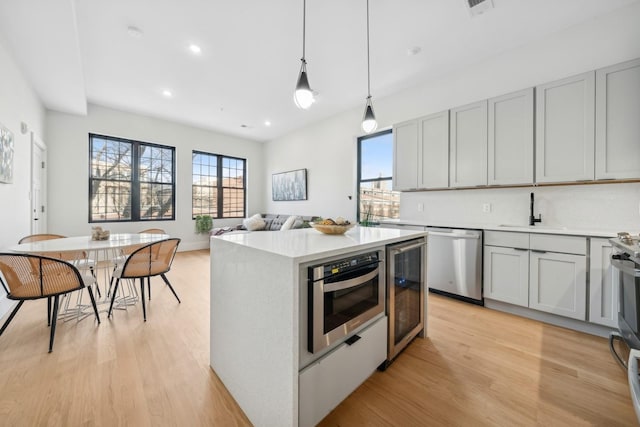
{"points": [[304, 25], [368, 61]]}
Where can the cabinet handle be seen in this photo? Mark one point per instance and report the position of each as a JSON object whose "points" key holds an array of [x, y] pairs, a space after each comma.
{"points": [[353, 340], [538, 251], [520, 249], [606, 179]]}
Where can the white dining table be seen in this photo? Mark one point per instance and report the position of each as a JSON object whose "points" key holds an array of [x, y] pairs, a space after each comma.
{"points": [[114, 244], [103, 254]]}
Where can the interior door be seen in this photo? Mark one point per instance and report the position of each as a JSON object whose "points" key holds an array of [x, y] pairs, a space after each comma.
{"points": [[38, 185]]}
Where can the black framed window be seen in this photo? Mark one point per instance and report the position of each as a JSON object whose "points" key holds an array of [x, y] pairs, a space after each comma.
{"points": [[218, 186], [130, 180], [376, 200]]}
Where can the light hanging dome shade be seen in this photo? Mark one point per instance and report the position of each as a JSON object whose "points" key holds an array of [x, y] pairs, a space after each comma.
{"points": [[303, 95], [369, 123]]}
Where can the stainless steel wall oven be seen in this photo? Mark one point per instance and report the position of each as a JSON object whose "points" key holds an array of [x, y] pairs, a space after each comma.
{"points": [[343, 295]]}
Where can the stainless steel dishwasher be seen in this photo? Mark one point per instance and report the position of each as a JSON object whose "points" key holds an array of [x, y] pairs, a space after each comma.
{"points": [[454, 263]]}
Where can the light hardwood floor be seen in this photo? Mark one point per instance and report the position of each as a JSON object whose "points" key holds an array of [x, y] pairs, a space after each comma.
{"points": [[477, 367]]}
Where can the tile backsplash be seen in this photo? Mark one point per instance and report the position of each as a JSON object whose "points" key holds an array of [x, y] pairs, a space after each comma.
{"points": [[614, 207]]}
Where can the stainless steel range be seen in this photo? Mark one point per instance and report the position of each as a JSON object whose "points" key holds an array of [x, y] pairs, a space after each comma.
{"points": [[626, 258]]}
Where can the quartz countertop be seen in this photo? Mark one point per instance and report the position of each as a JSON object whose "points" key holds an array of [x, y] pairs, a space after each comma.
{"points": [[309, 244], [541, 228]]}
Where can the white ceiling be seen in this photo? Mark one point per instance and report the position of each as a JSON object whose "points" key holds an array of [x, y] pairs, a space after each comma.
{"points": [[79, 52]]}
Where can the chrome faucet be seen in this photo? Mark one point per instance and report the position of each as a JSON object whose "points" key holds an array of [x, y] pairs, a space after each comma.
{"points": [[533, 219]]}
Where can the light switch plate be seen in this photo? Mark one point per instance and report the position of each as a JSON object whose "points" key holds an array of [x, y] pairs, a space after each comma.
{"points": [[486, 207]]}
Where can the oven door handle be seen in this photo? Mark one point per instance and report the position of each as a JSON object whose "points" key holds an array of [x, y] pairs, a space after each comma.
{"points": [[634, 380], [624, 268], [345, 284]]}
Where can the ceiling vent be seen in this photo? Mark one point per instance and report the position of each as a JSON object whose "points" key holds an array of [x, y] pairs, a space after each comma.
{"points": [[477, 7]]}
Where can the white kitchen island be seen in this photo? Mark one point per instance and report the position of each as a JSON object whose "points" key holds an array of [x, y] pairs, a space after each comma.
{"points": [[255, 312]]}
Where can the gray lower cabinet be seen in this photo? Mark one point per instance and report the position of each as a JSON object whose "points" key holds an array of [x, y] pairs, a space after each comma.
{"points": [[506, 275], [539, 271], [617, 121], [468, 146], [558, 283], [603, 285], [510, 139], [565, 129]]}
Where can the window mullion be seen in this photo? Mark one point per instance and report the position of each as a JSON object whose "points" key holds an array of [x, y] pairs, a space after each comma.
{"points": [[219, 190], [135, 183]]}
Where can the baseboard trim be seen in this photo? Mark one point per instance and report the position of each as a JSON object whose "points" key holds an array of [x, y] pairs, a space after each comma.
{"points": [[193, 246], [564, 322]]}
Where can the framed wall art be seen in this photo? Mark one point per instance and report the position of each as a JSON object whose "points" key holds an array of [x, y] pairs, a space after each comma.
{"points": [[6, 155], [290, 185]]}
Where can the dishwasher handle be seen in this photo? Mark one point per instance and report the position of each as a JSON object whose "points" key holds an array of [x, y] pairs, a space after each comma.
{"points": [[454, 236]]}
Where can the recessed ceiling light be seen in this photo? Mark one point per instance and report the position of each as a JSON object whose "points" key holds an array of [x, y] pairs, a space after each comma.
{"points": [[167, 93], [414, 50], [267, 123], [134, 31], [195, 49]]}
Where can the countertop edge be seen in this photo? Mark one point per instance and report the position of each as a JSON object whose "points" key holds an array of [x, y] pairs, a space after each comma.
{"points": [[540, 229]]}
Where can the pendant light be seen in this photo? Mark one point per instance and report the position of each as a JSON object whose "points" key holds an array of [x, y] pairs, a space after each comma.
{"points": [[303, 96], [369, 123]]}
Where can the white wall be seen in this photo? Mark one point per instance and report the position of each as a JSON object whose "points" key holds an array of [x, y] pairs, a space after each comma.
{"points": [[18, 103], [68, 146], [328, 148]]}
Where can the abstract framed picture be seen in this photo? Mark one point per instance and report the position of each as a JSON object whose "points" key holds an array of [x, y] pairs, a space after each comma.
{"points": [[6, 155], [291, 185]]}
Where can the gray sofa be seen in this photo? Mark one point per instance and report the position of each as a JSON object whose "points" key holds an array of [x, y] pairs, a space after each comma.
{"points": [[273, 222]]}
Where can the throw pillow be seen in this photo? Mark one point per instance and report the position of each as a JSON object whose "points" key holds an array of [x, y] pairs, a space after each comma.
{"points": [[288, 224], [254, 223]]}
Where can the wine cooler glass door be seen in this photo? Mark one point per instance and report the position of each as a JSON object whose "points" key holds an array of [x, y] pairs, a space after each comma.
{"points": [[406, 293]]}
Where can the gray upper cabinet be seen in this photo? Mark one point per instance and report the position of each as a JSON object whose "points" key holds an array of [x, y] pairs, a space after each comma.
{"points": [[510, 143], [433, 151], [468, 146], [405, 156], [618, 121], [565, 129]]}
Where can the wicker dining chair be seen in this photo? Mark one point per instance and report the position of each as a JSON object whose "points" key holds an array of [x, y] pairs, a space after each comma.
{"points": [[125, 252], [29, 277], [77, 258], [153, 259], [38, 237], [152, 231]]}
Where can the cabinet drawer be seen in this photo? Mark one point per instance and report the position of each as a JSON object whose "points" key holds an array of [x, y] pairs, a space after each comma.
{"points": [[506, 239], [326, 383], [554, 243]]}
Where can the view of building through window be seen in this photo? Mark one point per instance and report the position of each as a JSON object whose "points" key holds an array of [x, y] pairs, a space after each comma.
{"points": [[218, 186], [130, 180], [376, 200]]}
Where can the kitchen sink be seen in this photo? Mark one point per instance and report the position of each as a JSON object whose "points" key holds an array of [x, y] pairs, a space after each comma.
{"points": [[533, 227]]}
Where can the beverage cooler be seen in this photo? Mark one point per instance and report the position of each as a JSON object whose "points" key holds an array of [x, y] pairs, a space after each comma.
{"points": [[406, 276]]}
